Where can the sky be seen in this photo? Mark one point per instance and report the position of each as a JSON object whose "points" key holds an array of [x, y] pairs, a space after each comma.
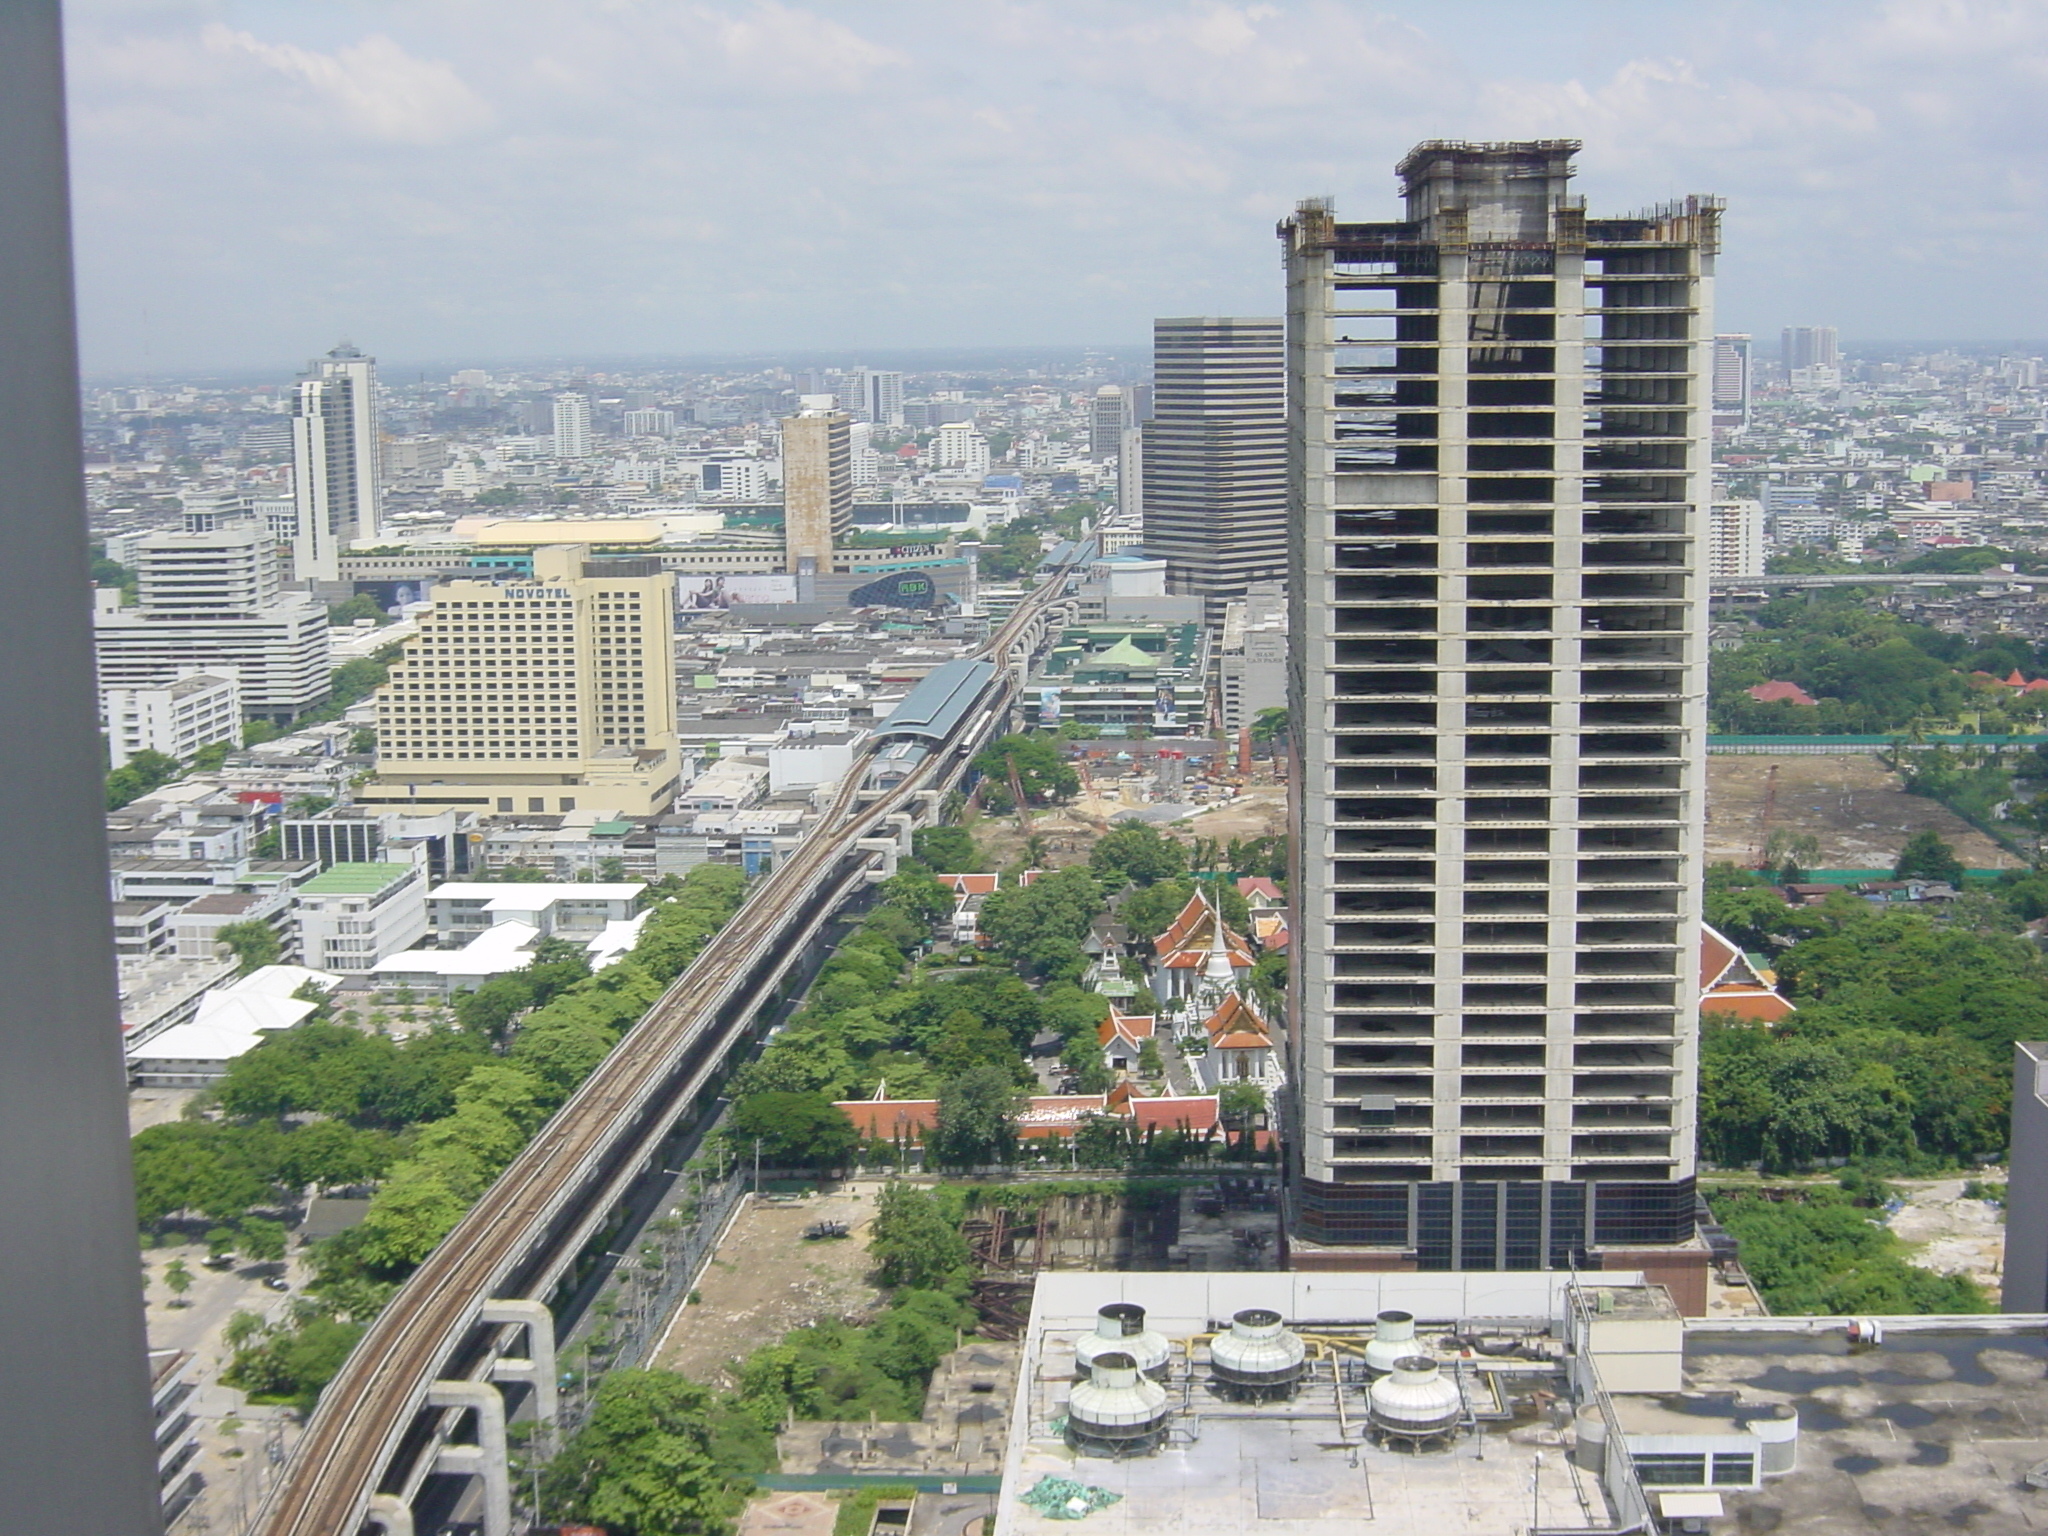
{"points": [[484, 180]]}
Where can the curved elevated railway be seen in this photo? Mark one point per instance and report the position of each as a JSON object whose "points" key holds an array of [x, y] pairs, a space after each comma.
{"points": [[374, 1430]]}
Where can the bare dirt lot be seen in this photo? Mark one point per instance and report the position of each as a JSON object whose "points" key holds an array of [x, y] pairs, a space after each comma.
{"points": [[1951, 1235], [766, 1279], [1854, 805]]}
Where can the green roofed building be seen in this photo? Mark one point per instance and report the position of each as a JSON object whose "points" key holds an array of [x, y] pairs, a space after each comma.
{"points": [[1117, 676], [353, 915]]}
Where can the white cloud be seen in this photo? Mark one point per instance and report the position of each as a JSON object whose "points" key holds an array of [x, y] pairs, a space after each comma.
{"points": [[381, 89], [491, 177]]}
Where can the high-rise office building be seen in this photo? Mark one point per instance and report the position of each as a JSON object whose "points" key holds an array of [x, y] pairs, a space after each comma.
{"points": [[1731, 381], [1215, 477], [1809, 346], [817, 488], [552, 693], [572, 425], [1498, 455], [1106, 423], [336, 458], [211, 598]]}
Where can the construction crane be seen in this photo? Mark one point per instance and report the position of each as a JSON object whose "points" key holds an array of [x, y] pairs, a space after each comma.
{"points": [[1759, 856]]}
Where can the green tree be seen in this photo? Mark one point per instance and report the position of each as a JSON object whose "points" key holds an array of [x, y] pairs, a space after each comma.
{"points": [[794, 1130], [977, 1118], [177, 1280], [254, 943], [361, 606], [914, 1244], [263, 1240], [946, 850], [1044, 775], [1240, 1104], [918, 894], [1927, 857], [144, 771], [642, 1465], [1140, 854], [1269, 726]]}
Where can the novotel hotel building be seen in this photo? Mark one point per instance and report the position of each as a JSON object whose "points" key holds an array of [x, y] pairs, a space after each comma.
{"points": [[551, 693]]}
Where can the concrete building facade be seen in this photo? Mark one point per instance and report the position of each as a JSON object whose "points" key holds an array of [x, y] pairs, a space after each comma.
{"points": [[1498, 430], [175, 718], [1214, 489], [211, 599], [350, 916], [1251, 656], [817, 489], [1735, 545], [572, 426], [336, 457], [541, 693], [2026, 1200]]}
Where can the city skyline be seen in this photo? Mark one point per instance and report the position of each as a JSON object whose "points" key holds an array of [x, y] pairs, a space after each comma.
{"points": [[1112, 169]]}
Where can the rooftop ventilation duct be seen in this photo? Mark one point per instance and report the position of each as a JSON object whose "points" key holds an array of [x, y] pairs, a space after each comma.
{"points": [[1120, 1329], [1258, 1359], [1117, 1411]]}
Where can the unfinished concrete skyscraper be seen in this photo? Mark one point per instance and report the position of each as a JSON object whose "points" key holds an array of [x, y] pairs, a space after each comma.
{"points": [[1497, 453]]}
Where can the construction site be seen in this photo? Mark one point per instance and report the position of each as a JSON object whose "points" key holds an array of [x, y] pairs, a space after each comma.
{"points": [[1852, 805]]}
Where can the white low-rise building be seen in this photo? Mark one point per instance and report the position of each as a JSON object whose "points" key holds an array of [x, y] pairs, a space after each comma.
{"points": [[495, 951], [175, 716], [230, 1021], [461, 909], [353, 915]]}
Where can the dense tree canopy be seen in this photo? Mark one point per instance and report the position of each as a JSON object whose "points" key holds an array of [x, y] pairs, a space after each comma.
{"points": [[1045, 775]]}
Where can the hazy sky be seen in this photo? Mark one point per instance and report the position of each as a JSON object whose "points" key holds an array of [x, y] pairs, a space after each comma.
{"points": [[490, 179]]}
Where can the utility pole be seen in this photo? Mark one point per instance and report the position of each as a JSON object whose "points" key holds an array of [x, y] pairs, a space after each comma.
{"points": [[757, 1167]]}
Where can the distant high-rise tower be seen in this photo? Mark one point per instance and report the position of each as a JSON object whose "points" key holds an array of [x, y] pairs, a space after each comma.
{"points": [[1731, 381], [336, 458], [817, 488], [884, 398], [1809, 346], [1106, 423], [1498, 460], [572, 426], [1215, 478]]}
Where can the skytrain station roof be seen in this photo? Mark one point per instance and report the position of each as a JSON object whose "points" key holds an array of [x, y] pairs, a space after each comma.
{"points": [[939, 702]]}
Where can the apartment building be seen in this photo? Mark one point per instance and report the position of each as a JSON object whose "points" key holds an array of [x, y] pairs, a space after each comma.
{"points": [[211, 598], [1497, 448], [176, 717]]}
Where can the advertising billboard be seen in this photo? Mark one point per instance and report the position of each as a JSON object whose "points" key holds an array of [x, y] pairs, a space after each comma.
{"points": [[898, 589], [700, 594]]}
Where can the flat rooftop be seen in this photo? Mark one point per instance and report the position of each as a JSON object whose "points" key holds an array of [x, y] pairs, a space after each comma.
{"points": [[1927, 1432], [355, 879], [1303, 1467]]}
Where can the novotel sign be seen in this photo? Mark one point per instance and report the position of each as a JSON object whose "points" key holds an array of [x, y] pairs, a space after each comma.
{"points": [[561, 593]]}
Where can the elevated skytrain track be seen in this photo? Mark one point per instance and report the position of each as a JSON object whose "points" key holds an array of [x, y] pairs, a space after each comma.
{"points": [[381, 1423]]}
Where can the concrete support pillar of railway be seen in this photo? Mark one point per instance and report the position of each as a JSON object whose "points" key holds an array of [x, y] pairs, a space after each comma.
{"points": [[928, 802], [905, 824], [485, 1460], [390, 1514], [886, 847], [537, 1369]]}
